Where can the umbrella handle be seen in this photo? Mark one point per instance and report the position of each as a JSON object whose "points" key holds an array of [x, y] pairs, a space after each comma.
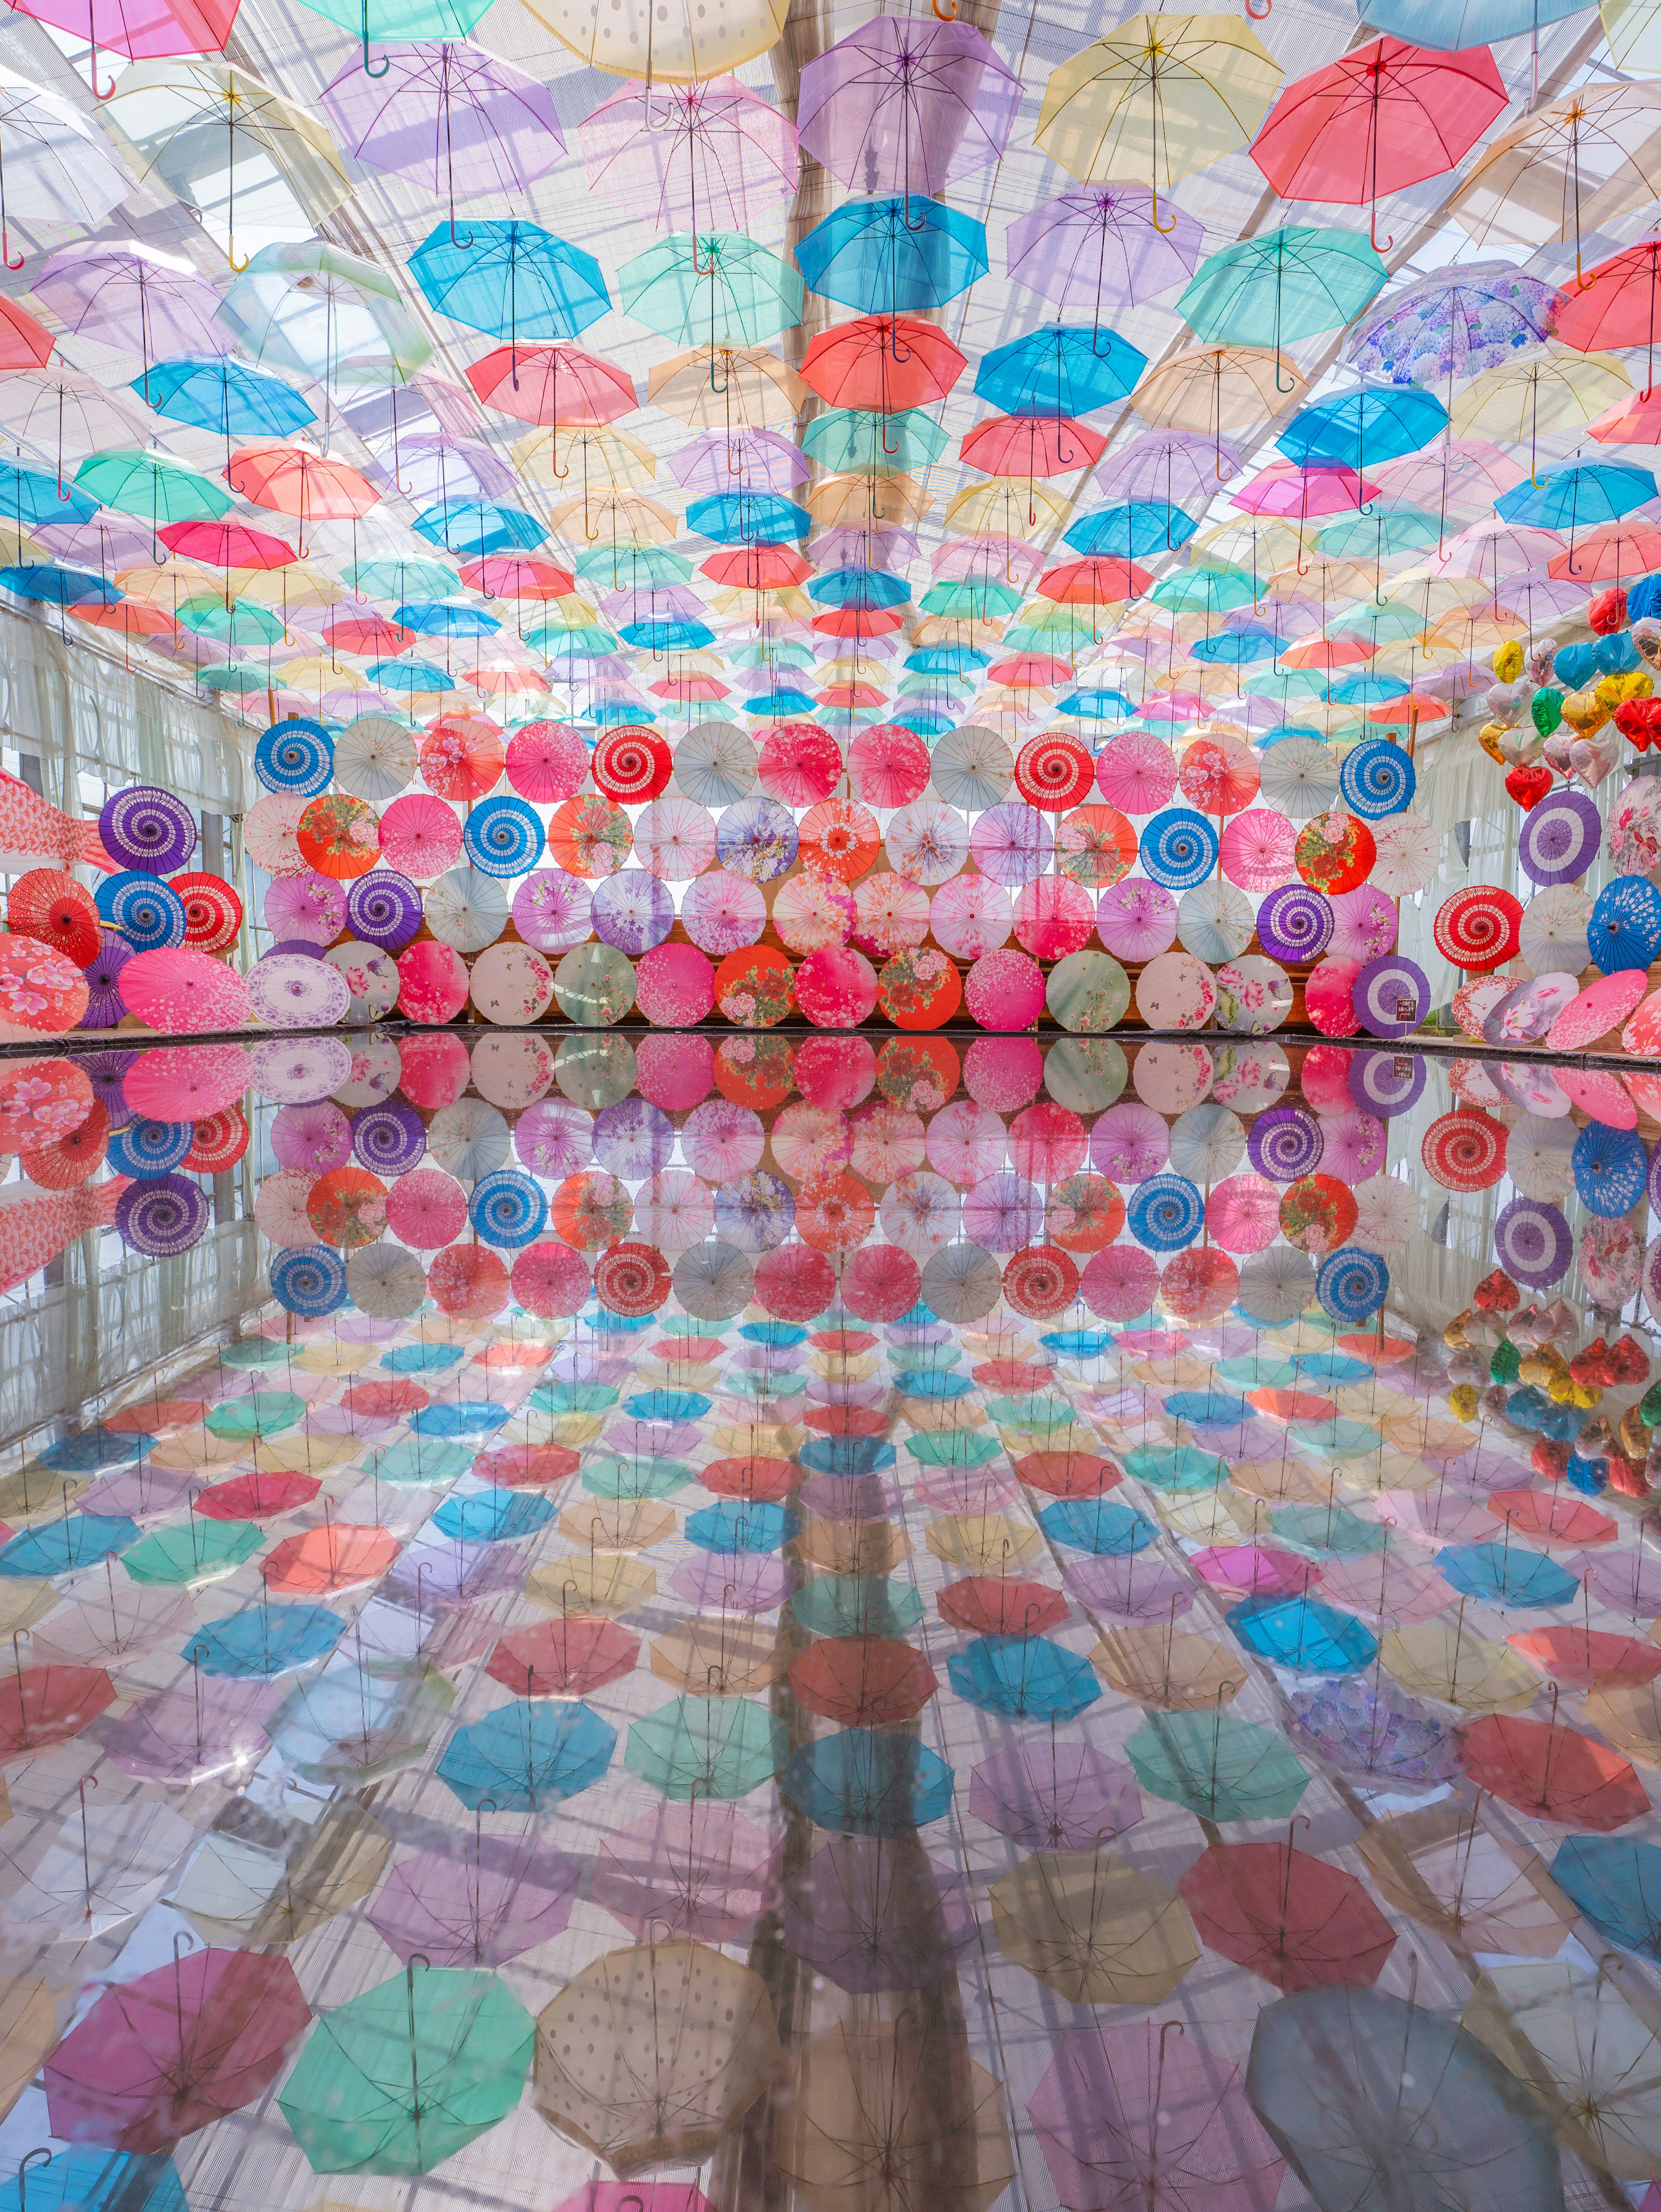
{"points": [[386, 60], [946, 15]]}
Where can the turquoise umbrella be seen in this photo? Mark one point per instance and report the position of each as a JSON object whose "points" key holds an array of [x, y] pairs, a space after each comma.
{"points": [[1220, 1768], [856, 1605], [153, 486], [847, 438], [893, 256], [712, 288], [525, 1756], [510, 280], [1281, 286], [404, 579], [706, 1748], [409, 2073], [194, 1553]]}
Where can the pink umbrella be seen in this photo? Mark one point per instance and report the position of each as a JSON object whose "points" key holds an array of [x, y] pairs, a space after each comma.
{"points": [[426, 1209], [554, 1139], [880, 1283], [546, 762], [184, 1083], [1012, 843], [1005, 990], [813, 909], [486, 1903], [1397, 1592], [966, 1142], [420, 835], [1047, 1142], [185, 991], [312, 1139], [926, 842], [1219, 775], [674, 984], [722, 1141], [1053, 917], [550, 1279], [311, 908], [432, 981], [1354, 1146], [270, 835], [702, 1871], [675, 838], [675, 1211], [970, 915], [1136, 919], [1256, 850], [1120, 1283], [1256, 1569], [1129, 1142], [1363, 923], [722, 912], [891, 914], [802, 764], [1136, 772], [279, 1208], [1244, 1213], [1440, 1517], [889, 765]]}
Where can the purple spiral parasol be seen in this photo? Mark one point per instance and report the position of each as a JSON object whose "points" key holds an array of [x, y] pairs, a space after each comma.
{"points": [[164, 1215], [1391, 995], [389, 1139], [104, 1004], [384, 908], [1560, 837], [145, 827], [1285, 1143], [1294, 923], [1386, 1082], [1532, 1244]]}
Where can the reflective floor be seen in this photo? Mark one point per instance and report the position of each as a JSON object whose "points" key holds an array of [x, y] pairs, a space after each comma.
{"points": [[817, 1620]]}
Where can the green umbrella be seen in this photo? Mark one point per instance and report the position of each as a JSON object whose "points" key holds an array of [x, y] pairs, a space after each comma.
{"points": [[856, 1605], [953, 1447], [262, 1413], [409, 2073], [1377, 535], [886, 445], [1221, 1769], [760, 655], [617, 1475], [710, 1747], [626, 567], [401, 580], [244, 625], [153, 486], [236, 676], [970, 599], [195, 1553], [1281, 285], [1204, 591], [1387, 625], [711, 287]]}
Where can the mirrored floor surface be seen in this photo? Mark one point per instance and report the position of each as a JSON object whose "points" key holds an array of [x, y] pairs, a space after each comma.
{"points": [[828, 1621]]}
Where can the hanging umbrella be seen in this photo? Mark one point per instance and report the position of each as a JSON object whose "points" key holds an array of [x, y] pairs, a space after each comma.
{"points": [[871, 1916], [1094, 1928], [480, 1906], [713, 1749], [893, 256], [715, 147], [523, 1755], [891, 108], [1225, 1769], [703, 1871], [412, 2070], [1286, 1915]]}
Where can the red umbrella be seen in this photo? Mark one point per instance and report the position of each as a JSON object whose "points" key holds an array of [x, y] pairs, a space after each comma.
{"points": [[339, 1556], [845, 1421], [385, 1402], [1287, 1915], [72, 1159], [1552, 1520], [1379, 118], [1616, 303], [1068, 1475], [25, 344], [794, 1282], [549, 1278], [757, 568], [1589, 1658], [462, 757], [757, 1476], [175, 2049], [835, 1214], [880, 1283], [1552, 1773], [42, 1705], [995, 1605], [882, 363], [48, 904], [1031, 446], [527, 1467], [1093, 584], [1199, 1284], [547, 384], [367, 633], [257, 1497], [219, 1143], [227, 545], [564, 1658], [293, 480], [512, 576], [863, 1681], [469, 1280]]}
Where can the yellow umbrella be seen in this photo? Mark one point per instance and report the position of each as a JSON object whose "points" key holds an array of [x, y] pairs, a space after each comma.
{"points": [[727, 388], [28, 2034], [1572, 167], [39, 1490], [1214, 1517], [1448, 1871], [1551, 391], [617, 1524], [1093, 1929], [986, 1543], [1008, 507], [1285, 1481], [571, 612], [1212, 389], [172, 584], [854, 1548], [296, 587], [719, 1657], [686, 44], [609, 1583], [1158, 97], [1565, 2029], [786, 603], [1447, 1661], [1632, 29], [950, 629], [329, 1865], [894, 502], [1169, 1668], [1258, 543], [1630, 1716], [606, 460], [622, 517]]}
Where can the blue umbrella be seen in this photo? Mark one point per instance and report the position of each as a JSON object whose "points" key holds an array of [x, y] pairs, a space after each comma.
{"points": [[1077, 1343], [667, 636], [923, 725], [864, 1783], [510, 280], [1363, 690], [1098, 706], [91, 1450], [409, 675], [775, 704], [1129, 529], [265, 1640], [893, 256], [1101, 1525], [1625, 929], [1303, 1634], [1377, 534], [859, 587], [617, 710], [747, 518], [420, 1463], [1577, 499], [1024, 1677], [1208, 1409], [1506, 1574], [742, 1525], [422, 1359], [1611, 1169], [59, 587], [846, 1456], [1450, 25], [1237, 648], [1356, 429], [1055, 370], [850, 437], [1616, 1883], [83, 2178], [57, 1548], [578, 1398], [401, 580], [491, 1516], [947, 660], [1165, 1212], [1176, 1467], [438, 618], [224, 395], [472, 528], [459, 1417], [526, 1755], [30, 497]]}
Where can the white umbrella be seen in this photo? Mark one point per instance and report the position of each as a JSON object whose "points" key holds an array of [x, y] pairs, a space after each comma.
{"points": [[63, 412], [468, 1139], [1277, 1284], [920, 1213], [1538, 1155], [105, 1866], [1387, 1215], [1409, 853], [712, 1281], [1553, 933], [58, 168], [675, 1211], [467, 908], [1214, 922], [926, 842], [1299, 777], [385, 1282], [226, 1888], [376, 1066], [961, 1282], [973, 768], [279, 1208], [120, 1620], [715, 764], [1206, 1143], [376, 758]]}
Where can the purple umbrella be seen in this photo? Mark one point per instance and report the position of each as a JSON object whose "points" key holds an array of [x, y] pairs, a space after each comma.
{"points": [[651, 1439], [1103, 243], [205, 1729], [1004, 1214], [824, 1392], [750, 460], [1170, 467], [127, 295], [106, 1072], [496, 1899], [907, 105], [1012, 843], [701, 1870], [1626, 1582], [1129, 1142], [384, 908], [966, 1489], [875, 1912], [107, 542], [441, 1574], [1375, 1735], [389, 1139], [142, 1493], [433, 465], [292, 992], [747, 1581], [643, 603], [847, 546], [633, 911], [310, 907], [1054, 1797], [104, 1004], [448, 115], [1132, 1586], [849, 1496], [391, 1635]]}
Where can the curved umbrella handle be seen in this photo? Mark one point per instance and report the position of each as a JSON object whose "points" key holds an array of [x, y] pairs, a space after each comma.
{"points": [[386, 60], [946, 14]]}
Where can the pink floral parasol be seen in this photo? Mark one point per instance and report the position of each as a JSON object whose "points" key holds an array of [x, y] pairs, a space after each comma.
{"points": [[1364, 924], [674, 984], [1354, 1148], [965, 1142], [188, 1081], [891, 914], [279, 1209], [1120, 1283], [1256, 850], [1136, 919], [722, 912], [802, 764], [546, 762], [889, 765], [432, 981], [970, 915], [675, 838], [1244, 1213], [1005, 990], [1136, 772], [186, 991], [420, 836], [1219, 775], [722, 1141], [926, 842], [270, 835], [553, 911], [426, 1209]]}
